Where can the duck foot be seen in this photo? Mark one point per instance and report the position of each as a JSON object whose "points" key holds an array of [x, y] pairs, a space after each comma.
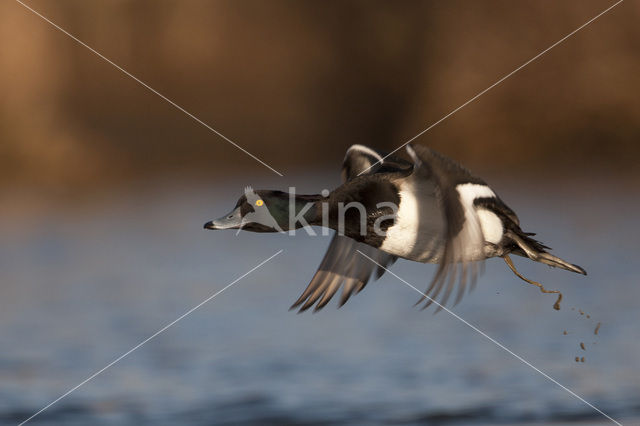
{"points": [[511, 266]]}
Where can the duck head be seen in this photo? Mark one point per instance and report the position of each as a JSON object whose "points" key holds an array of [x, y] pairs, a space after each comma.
{"points": [[266, 211]]}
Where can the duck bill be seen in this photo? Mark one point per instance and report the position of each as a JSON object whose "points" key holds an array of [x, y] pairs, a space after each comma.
{"points": [[232, 220]]}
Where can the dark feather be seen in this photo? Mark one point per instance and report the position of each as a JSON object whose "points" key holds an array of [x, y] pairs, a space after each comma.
{"points": [[342, 266]]}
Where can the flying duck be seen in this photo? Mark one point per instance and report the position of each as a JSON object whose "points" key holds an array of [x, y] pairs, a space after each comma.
{"points": [[430, 209]]}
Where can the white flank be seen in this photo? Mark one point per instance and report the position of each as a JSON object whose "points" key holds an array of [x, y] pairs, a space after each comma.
{"points": [[490, 224], [402, 236]]}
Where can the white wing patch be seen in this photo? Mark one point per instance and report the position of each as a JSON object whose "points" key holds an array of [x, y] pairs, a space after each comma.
{"points": [[412, 153], [364, 149]]}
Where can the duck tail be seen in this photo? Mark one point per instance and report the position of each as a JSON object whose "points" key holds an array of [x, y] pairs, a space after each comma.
{"points": [[537, 251]]}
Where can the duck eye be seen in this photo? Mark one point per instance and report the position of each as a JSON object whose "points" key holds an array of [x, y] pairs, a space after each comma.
{"points": [[259, 203]]}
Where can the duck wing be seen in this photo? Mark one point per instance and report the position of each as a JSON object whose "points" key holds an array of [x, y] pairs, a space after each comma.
{"points": [[456, 188], [342, 266]]}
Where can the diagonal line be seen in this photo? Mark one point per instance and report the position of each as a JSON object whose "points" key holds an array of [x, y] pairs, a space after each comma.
{"points": [[151, 337], [495, 84], [500, 345], [145, 85]]}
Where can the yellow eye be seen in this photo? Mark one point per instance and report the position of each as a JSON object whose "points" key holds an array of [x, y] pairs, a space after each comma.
{"points": [[259, 203]]}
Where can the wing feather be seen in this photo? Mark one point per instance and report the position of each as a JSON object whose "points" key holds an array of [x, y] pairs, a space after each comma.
{"points": [[464, 238], [342, 266]]}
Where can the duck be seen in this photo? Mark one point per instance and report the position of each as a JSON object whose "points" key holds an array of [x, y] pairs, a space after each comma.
{"points": [[427, 208]]}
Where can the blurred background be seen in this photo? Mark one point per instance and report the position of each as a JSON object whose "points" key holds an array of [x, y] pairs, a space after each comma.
{"points": [[104, 188]]}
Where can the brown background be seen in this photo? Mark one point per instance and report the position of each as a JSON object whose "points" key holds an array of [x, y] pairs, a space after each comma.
{"points": [[296, 83]]}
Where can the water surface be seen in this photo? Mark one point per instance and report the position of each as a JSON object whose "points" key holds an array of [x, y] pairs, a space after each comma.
{"points": [[82, 283]]}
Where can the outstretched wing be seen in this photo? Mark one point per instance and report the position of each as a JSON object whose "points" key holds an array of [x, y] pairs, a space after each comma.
{"points": [[464, 241], [342, 266]]}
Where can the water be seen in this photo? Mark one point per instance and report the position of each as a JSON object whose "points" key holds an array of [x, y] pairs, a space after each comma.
{"points": [[82, 283]]}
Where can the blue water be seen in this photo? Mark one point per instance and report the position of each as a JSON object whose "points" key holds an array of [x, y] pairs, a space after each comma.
{"points": [[82, 282]]}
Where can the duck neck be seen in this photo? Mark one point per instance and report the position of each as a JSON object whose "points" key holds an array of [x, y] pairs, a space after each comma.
{"points": [[295, 211]]}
